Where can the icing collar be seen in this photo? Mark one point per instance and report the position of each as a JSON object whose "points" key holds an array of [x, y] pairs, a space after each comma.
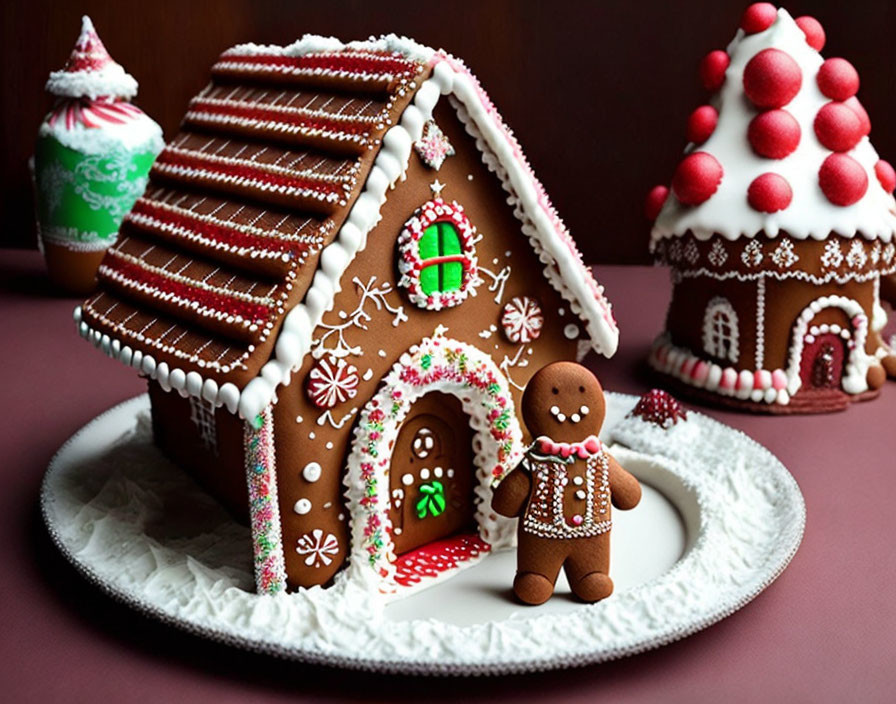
{"points": [[566, 451]]}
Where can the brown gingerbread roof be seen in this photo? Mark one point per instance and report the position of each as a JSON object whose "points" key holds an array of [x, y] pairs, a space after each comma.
{"points": [[228, 234]]}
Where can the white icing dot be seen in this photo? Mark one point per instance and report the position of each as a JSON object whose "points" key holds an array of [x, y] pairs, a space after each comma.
{"points": [[571, 331], [329, 445], [450, 473], [578, 481], [580, 494], [575, 418], [397, 531], [312, 472], [437, 472], [329, 504], [382, 353], [561, 311], [584, 410], [311, 435], [407, 479], [341, 516], [302, 507], [368, 375], [424, 473], [298, 419], [469, 177]]}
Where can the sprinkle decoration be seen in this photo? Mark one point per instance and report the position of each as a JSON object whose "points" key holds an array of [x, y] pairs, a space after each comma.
{"points": [[522, 320], [332, 381], [441, 364], [433, 146], [264, 514], [660, 408]]}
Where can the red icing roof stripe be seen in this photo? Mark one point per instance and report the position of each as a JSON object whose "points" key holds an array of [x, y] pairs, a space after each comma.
{"points": [[165, 218], [367, 64], [134, 276], [237, 170], [299, 118]]}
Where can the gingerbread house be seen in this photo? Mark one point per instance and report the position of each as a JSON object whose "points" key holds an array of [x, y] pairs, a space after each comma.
{"points": [[778, 230], [340, 278]]}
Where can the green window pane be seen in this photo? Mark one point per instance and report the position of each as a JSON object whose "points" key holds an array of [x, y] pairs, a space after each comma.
{"points": [[429, 243], [429, 280], [439, 240]]}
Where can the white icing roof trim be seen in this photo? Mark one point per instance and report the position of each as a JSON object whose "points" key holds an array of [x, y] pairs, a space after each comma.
{"points": [[810, 214], [553, 243]]}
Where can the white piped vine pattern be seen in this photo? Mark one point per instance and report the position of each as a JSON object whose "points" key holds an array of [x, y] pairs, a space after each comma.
{"points": [[721, 335], [436, 364]]}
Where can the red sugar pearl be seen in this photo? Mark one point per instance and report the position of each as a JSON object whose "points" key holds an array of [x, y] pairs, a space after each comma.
{"points": [[837, 127], [813, 30], [655, 201], [886, 175], [702, 123], [774, 134], [769, 193], [838, 79], [697, 177], [772, 78], [854, 105], [758, 17], [712, 69], [842, 179]]}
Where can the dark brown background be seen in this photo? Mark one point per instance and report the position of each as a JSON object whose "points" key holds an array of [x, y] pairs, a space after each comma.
{"points": [[597, 93]]}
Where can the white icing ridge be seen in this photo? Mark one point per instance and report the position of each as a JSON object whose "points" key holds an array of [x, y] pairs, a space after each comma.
{"points": [[139, 134], [101, 512], [810, 214]]}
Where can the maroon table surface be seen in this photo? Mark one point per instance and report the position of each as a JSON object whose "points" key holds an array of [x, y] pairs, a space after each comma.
{"points": [[824, 631]]}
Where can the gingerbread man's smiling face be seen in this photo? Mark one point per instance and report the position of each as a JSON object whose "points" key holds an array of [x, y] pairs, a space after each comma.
{"points": [[565, 402]]}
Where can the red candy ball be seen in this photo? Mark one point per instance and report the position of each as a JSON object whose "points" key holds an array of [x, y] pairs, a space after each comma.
{"points": [[697, 177], [886, 175], [838, 79], [842, 179], [774, 134], [813, 30], [655, 201], [758, 17], [837, 127], [772, 79], [854, 105], [769, 193], [712, 69], [702, 123]]}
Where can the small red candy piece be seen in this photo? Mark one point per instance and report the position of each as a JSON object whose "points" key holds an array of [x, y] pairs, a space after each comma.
{"points": [[842, 179], [886, 175], [838, 79], [659, 407], [702, 123], [697, 177], [838, 127], [774, 134], [712, 69], [854, 105], [769, 193], [813, 30], [772, 78], [655, 201], [758, 17]]}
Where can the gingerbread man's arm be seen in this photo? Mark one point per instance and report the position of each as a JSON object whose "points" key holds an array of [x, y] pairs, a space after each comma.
{"points": [[510, 496], [624, 488]]}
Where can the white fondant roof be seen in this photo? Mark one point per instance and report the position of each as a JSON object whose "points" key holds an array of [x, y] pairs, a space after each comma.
{"points": [[810, 214]]}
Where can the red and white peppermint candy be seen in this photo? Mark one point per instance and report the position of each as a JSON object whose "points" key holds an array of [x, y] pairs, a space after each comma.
{"points": [[522, 319], [332, 381]]}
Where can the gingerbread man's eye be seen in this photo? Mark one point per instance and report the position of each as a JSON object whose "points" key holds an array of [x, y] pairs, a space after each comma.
{"points": [[581, 389], [555, 391]]}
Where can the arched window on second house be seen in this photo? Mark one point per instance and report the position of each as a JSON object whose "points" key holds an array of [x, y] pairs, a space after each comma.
{"points": [[721, 337]]}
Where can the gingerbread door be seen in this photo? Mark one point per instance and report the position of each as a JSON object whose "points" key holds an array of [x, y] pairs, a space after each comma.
{"points": [[822, 363], [432, 474]]}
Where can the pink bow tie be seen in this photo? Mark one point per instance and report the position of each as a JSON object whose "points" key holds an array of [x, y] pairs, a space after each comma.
{"points": [[584, 449]]}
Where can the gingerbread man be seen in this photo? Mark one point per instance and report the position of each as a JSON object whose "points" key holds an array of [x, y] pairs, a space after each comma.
{"points": [[563, 488]]}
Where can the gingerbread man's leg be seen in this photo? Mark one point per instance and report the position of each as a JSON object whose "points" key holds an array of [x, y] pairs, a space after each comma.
{"points": [[538, 562], [587, 566]]}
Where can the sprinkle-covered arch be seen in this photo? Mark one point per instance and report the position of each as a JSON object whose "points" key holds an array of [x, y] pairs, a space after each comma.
{"points": [[435, 364]]}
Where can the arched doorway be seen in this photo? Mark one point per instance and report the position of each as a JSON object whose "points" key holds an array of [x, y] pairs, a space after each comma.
{"points": [[437, 365]]}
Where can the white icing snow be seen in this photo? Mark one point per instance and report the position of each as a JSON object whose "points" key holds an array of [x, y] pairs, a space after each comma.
{"points": [[110, 502], [810, 214]]}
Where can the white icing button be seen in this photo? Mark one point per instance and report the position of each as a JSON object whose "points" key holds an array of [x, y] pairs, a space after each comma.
{"points": [[578, 481], [407, 479], [450, 473], [584, 410], [555, 410], [437, 472], [571, 331], [424, 473], [561, 417], [312, 471], [580, 494], [397, 531], [302, 507], [575, 418]]}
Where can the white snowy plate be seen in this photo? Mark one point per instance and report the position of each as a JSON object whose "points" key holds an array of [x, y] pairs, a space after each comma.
{"points": [[719, 521]]}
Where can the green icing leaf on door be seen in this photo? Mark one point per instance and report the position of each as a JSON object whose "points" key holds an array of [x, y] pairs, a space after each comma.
{"points": [[432, 500]]}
